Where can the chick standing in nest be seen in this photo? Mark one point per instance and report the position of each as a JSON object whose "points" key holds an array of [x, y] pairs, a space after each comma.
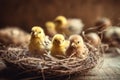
{"points": [[50, 28], [100, 26], [68, 26], [77, 48], [75, 25], [112, 36], [39, 43], [93, 39], [103, 24], [61, 24], [59, 46]]}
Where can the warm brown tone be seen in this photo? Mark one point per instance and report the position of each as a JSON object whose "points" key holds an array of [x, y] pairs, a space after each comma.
{"points": [[26, 13]]}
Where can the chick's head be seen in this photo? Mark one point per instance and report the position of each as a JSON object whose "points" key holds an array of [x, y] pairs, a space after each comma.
{"points": [[60, 21], [103, 23], [58, 40], [50, 26], [76, 41], [37, 32]]}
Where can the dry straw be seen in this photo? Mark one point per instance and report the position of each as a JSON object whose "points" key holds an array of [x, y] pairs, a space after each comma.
{"points": [[48, 66]]}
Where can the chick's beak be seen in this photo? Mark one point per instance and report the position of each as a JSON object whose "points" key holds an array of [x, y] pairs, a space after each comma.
{"points": [[58, 41], [34, 33], [73, 44]]}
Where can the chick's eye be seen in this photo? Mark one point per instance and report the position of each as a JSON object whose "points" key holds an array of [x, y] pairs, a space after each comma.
{"points": [[55, 40], [39, 32], [78, 42]]}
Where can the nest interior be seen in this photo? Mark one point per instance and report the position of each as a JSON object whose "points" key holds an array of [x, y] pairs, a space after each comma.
{"points": [[19, 58]]}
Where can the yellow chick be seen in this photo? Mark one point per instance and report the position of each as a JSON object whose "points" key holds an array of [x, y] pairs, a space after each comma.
{"points": [[61, 24], [50, 28], [68, 26], [93, 39], [38, 42], [59, 46], [77, 48]]}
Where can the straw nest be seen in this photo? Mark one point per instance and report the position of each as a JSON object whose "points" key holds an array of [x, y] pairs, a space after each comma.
{"points": [[48, 66]]}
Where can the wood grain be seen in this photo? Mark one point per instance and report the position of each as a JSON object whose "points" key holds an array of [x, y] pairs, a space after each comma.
{"points": [[26, 13]]}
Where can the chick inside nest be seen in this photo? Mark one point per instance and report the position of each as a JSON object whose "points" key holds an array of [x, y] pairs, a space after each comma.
{"points": [[21, 59], [48, 65]]}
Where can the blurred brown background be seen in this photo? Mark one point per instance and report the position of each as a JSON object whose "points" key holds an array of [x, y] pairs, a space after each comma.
{"points": [[26, 13]]}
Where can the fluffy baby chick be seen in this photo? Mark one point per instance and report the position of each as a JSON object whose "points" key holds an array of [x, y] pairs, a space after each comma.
{"points": [[61, 24], [112, 36], [75, 26], [50, 28], [101, 25], [114, 31], [38, 41], [59, 46], [68, 26], [93, 39], [77, 48]]}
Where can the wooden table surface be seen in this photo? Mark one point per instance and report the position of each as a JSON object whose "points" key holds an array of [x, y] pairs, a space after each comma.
{"points": [[110, 70]]}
